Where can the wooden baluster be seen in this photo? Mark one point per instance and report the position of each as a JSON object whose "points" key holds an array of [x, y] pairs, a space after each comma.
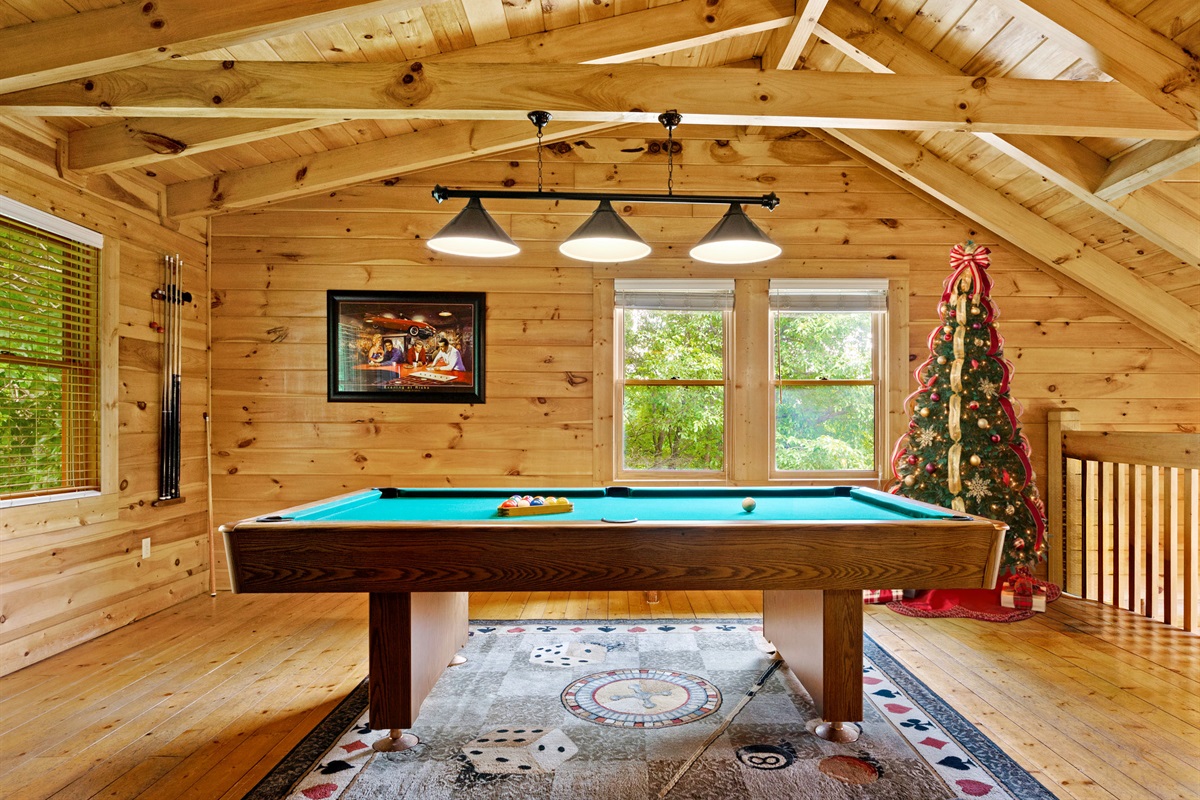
{"points": [[1136, 522], [1170, 544], [1120, 543], [1073, 527], [1191, 550], [1153, 540]]}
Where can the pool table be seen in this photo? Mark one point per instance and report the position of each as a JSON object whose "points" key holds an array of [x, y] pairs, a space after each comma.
{"points": [[811, 550]]}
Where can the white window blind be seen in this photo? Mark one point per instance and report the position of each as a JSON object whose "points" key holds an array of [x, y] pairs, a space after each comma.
{"points": [[829, 296], [49, 355], [675, 295]]}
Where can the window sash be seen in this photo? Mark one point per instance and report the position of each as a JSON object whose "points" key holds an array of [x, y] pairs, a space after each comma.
{"points": [[642, 300], [49, 355]]}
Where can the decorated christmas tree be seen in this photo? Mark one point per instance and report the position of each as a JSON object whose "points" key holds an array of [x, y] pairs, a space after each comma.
{"points": [[964, 448]]}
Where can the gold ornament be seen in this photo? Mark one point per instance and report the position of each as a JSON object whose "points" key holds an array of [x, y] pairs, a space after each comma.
{"points": [[983, 423], [941, 359], [908, 480], [924, 412], [947, 329], [976, 461]]}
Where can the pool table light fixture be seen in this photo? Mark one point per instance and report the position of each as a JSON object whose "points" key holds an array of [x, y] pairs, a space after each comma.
{"points": [[605, 236]]}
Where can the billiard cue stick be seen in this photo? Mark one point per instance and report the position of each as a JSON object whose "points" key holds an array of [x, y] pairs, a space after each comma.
{"points": [[176, 377], [163, 424], [751, 693]]}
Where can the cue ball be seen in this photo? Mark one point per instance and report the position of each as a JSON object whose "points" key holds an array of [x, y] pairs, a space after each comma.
{"points": [[749, 504]]}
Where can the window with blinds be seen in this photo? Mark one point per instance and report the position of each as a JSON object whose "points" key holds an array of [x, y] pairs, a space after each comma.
{"points": [[827, 373], [49, 355], [673, 375]]}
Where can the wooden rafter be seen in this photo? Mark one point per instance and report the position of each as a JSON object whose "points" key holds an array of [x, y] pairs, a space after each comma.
{"points": [[1151, 308], [384, 158], [606, 93], [627, 37], [1071, 165], [1122, 46], [131, 34], [787, 43], [1145, 165]]}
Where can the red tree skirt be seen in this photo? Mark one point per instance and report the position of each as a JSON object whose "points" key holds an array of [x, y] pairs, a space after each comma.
{"points": [[982, 604]]}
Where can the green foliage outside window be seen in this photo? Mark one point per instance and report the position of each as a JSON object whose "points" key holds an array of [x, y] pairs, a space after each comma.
{"points": [[674, 427], [824, 427], [47, 373]]}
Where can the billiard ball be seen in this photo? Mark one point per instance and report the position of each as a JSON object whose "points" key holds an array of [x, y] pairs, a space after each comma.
{"points": [[538, 501], [749, 504]]}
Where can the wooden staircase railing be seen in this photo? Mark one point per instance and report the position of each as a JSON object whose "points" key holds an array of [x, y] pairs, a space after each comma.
{"points": [[1123, 512]]}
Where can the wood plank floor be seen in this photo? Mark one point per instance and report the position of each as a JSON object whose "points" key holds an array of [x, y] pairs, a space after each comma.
{"points": [[200, 700]]}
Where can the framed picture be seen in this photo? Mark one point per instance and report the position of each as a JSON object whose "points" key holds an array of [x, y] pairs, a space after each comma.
{"points": [[406, 347]]}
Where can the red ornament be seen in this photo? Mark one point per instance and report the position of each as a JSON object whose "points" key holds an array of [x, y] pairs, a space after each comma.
{"points": [[931, 468], [974, 364], [995, 437], [948, 337], [911, 459], [973, 405], [935, 397], [1005, 478]]}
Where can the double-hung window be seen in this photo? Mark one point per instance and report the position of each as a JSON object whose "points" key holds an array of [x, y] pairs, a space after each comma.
{"points": [[49, 355], [673, 377], [827, 365]]}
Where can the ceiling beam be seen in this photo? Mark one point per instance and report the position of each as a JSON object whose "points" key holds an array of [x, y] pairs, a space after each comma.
{"points": [[384, 158], [787, 43], [1069, 164], [1122, 46], [1151, 162], [1166, 317], [627, 37], [606, 93], [135, 33]]}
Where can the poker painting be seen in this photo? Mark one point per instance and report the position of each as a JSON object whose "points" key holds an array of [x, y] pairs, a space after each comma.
{"points": [[409, 347]]}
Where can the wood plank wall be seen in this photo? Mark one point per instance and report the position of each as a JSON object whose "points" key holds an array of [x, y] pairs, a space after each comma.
{"points": [[278, 442], [71, 571]]}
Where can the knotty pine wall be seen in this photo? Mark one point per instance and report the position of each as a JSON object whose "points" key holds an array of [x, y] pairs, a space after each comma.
{"points": [[73, 570], [277, 442]]}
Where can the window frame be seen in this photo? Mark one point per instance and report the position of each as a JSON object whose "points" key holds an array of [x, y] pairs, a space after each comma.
{"points": [[878, 335], [620, 471], [750, 403], [84, 501]]}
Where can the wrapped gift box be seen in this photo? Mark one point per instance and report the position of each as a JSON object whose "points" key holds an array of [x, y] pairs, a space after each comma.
{"points": [[1022, 593]]}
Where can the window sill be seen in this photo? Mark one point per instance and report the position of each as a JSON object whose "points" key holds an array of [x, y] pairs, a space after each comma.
{"points": [[38, 499]]}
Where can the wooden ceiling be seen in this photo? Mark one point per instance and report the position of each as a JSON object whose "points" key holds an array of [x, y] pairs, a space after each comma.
{"points": [[1068, 127]]}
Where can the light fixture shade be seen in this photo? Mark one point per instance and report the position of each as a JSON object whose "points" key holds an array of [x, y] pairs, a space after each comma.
{"points": [[474, 233], [605, 237], [735, 239]]}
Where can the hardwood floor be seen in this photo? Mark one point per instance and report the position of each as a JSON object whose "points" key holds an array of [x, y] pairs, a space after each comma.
{"points": [[200, 700]]}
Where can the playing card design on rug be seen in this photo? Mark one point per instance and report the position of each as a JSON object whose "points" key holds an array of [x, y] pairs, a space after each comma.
{"points": [[502, 727]]}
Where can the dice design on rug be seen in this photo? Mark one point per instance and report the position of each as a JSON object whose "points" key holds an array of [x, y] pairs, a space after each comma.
{"points": [[568, 654], [519, 751]]}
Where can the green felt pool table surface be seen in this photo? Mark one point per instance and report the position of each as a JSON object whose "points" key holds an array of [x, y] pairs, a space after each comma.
{"points": [[840, 503]]}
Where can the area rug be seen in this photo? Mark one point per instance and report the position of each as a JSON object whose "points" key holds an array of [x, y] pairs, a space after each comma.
{"points": [[684, 709]]}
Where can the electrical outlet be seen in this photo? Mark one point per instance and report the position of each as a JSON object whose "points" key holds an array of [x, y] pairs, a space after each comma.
{"points": [[146, 547]]}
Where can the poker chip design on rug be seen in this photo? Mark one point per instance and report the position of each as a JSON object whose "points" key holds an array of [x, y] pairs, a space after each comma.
{"points": [[641, 698]]}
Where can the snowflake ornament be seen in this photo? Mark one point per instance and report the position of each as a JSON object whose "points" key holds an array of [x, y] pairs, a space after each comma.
{"points": [[924, 437], [988, 388], [979, 488]]}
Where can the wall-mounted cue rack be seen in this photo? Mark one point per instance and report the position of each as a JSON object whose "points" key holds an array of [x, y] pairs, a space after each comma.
{"points": [[173, 297]]}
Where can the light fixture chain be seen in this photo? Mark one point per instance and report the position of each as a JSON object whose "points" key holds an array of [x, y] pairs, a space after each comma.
{"points": [[540, 119], [669, 119]]}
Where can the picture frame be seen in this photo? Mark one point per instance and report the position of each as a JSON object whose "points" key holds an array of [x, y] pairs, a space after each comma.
{"points": [[406, 347]]}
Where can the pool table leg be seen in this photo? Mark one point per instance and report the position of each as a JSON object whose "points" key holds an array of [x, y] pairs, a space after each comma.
{"points": [[819, 634], [412, 637]]}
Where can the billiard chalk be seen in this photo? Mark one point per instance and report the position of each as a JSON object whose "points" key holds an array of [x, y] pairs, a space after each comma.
{"points": [[749, 504]]}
